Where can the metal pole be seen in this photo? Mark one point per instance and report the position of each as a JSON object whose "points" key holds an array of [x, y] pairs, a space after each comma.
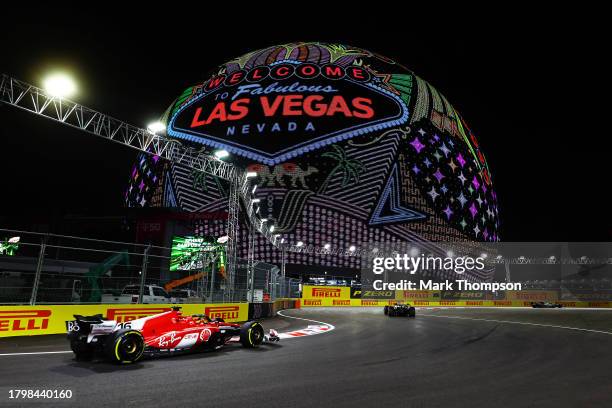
{"points": [[283, 261], [251, 265], [143, 272], [212, 280], [507, 264], [39, 265]]}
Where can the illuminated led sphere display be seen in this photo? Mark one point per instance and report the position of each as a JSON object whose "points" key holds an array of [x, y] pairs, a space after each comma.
{"points": [[349, 147]]}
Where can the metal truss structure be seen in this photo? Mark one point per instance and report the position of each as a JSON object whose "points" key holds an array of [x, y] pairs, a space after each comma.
{"points": [[35, 100]]}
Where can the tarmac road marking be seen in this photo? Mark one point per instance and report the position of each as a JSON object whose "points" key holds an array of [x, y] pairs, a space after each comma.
{"points": [[308, 331], [522, 323], [35, 353]]}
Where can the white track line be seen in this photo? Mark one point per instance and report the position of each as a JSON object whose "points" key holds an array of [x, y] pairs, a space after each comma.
{"points": [[308, 331], [35, 353], [521, 323]]}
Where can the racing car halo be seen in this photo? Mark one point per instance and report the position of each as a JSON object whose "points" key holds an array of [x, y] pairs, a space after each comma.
{"points": [[163, 333]]}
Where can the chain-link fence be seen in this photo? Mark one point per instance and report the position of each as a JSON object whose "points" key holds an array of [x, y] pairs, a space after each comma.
{"points": [[56, 269]]}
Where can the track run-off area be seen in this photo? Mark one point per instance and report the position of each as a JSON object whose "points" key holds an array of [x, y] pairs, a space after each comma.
{"points": [[450, 357]]}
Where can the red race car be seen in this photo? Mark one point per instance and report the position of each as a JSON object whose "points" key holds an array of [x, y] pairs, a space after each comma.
{"points": [[163, 333]]}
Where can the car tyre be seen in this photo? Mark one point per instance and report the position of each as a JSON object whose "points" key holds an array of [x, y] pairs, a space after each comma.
{"points": [[386, 310], [251, 334], [124, 346], [411, 312]]}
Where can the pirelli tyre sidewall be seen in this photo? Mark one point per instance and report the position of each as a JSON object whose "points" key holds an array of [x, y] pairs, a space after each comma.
{"points": [[251, 334], [124, 346]]}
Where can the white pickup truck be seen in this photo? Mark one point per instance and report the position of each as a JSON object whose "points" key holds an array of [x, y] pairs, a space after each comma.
{"points": [[151, 294]]}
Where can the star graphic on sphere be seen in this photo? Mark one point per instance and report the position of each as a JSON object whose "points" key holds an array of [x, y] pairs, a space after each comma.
{"points": [[438, 175], [452, 165], [421, 131], [436, 137], [444, 189], [143, 202], [479, 201], [471, 190], [473, 210], [448, 212], [485, 234], [484, 220], [462, 199], [463, 223], [433, 193], [475, 183], [437, 155], [476, 230], [450, 142], [141, 185], [460, 159], [484, 188], [427, 162], [462, 178], [418, 146], [445, 150], [415, 169]]}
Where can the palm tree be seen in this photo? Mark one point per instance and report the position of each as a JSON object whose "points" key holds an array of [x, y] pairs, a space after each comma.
{"points": [[349, 168]]}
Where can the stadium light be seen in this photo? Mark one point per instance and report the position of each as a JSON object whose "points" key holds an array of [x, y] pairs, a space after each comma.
{"points": [[352, 248], [254, 189], [155, 127], [60, 85], [250, 174], [299, 244], [221, 154], [255, 200], [272, 228], [223, 239], [327, 246]]}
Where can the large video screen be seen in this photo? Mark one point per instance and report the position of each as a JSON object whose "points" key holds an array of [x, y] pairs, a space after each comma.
{"points": [[186, 252]]}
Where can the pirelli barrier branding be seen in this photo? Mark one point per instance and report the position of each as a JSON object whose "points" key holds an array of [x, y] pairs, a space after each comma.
{"points": [[51, 319], [316, 296]]}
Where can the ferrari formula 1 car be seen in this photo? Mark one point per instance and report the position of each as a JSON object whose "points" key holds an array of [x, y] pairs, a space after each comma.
{"points": [[546, 305], [400, 309], [162, 333]]}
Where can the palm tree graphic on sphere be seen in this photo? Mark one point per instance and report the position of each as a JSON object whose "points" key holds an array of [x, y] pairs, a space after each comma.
{"points": [[349, 168]]}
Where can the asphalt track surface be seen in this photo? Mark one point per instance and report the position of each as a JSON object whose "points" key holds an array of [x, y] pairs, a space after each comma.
{"points": [[442, 358]]}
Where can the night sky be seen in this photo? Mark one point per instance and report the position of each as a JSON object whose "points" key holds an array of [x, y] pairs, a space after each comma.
{"points": [[510, 81]]}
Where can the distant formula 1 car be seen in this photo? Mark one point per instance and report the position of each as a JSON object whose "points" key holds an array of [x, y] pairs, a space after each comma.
{"points": [[400, 309], [163, 333], [545, 305]]}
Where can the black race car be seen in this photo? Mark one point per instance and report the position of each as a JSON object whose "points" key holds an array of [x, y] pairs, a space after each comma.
{"points": [[400, 309], [546, 305]]}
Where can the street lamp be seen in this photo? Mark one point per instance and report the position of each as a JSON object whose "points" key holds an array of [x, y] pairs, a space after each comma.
{"points": [[59, 85], [221, 154], [155, 127]]}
